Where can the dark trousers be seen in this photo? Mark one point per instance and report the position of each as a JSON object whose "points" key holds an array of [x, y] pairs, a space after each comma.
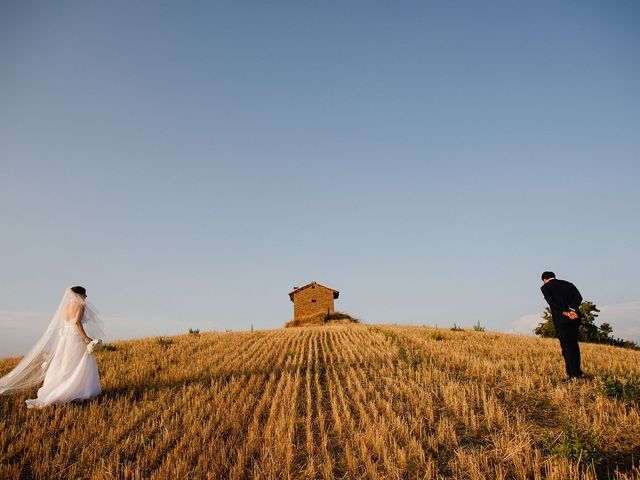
{"points": [[568, 337]]}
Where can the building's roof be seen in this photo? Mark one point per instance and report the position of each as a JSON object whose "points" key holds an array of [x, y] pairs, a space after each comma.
{"points": [[312, 284]]}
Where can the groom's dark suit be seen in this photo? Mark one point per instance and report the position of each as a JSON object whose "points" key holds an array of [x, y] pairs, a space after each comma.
{"points": [[563, 296]]}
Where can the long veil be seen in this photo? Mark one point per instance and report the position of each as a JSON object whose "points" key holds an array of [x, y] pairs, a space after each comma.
{"points": [[34, 366]]}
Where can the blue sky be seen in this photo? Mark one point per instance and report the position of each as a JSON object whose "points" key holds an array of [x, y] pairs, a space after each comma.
{"points": [[190, 162]]}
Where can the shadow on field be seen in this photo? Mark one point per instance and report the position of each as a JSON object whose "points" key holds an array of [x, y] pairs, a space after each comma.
{"points": [[153, 386], [152, 389]]}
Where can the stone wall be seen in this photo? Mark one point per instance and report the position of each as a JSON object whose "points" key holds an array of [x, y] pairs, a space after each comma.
{"points": [[312, 301]]}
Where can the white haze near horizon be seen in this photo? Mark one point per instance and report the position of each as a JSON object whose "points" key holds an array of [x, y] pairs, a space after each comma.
{"points": [[624, 318]]}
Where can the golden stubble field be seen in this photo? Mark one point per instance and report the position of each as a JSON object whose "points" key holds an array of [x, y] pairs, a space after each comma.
{"points": [[383, 402]]}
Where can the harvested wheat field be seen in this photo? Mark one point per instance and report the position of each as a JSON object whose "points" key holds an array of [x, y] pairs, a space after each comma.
{"points": [[349, 401]]}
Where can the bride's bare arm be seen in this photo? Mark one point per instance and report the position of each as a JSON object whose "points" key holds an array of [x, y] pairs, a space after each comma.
{"points": [[79, 326]]}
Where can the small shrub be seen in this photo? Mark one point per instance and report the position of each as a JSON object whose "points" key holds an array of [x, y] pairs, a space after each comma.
{"points": [[288, 355], [340, 316], [576, 444], [612, 387], [413, 358], [402, 354], [109, 347], [194, 332], [456, 328], [321, 319], [477, 327], [416, 360], [164, 342], [392, 337], [438, 337]]}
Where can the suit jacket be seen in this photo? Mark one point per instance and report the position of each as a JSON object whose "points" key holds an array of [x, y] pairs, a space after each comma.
{"points": [[561, 297]]}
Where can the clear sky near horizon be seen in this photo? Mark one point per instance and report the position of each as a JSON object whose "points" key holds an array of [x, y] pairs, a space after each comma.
{"points": [[190, 162]]}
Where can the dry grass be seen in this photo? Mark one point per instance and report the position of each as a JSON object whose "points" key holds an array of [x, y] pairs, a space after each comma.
{"points": [[335, 318], [328, 402]]}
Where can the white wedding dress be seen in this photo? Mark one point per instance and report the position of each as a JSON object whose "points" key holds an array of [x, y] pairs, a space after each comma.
{"points": [[60, 358], [73, 373]]}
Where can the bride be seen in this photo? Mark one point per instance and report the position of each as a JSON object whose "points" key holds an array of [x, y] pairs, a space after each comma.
{"points": [[60, 357]]}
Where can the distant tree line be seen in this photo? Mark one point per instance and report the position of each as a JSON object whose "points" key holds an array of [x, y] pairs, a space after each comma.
{"points": [[589, 332]]}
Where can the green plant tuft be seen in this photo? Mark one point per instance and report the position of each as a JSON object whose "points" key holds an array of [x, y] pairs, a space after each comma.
{"points": [[411, 358], [576, 444], [477, 327], [612, 387]]}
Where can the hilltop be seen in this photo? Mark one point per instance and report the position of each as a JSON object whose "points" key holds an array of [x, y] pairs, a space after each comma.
{"points": [[341, 401]]}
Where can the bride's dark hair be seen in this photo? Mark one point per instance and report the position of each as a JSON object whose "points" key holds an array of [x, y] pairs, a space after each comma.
{"points": [[79, 290]]}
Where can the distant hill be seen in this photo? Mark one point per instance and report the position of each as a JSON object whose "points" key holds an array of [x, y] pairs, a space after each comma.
{"points": [[346, 401]]}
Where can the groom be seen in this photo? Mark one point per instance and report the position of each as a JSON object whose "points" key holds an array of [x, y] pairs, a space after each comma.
{"points": [[564, 300]]}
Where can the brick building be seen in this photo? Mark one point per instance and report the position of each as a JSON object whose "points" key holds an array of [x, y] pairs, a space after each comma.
{"points": [[311, 300]]}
